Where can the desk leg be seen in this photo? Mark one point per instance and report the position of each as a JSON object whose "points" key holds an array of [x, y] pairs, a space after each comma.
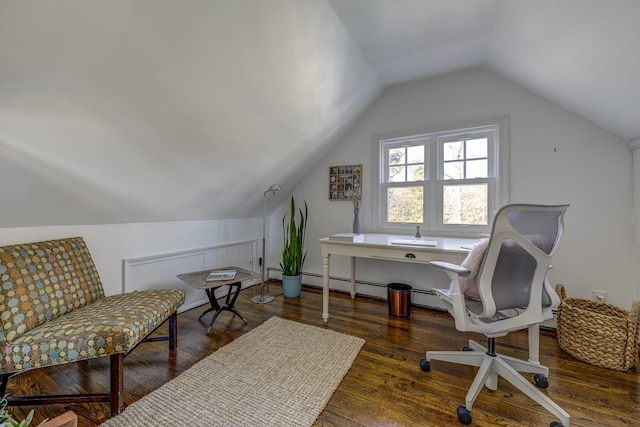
{"points": [[353, 277], [325, 288]]}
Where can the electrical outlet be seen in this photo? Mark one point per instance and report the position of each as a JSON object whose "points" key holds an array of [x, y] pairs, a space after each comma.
{"points": [[599, 295]]}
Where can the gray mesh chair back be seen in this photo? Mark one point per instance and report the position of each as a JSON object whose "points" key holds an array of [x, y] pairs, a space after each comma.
{"points": [[523, 240]]}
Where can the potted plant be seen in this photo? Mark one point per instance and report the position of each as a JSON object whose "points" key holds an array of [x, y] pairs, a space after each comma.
{"points": [[293, 252], [7, 421]]}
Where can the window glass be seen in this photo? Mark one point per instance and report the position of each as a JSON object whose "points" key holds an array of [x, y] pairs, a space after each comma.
{"points": [[477, 148], [465, 204], [406, 204], [415, 173], [453, 170], [396, 156], [452, 150], [476, 169], [397, 174], [415, 154], [449, 180], [406, 164]]}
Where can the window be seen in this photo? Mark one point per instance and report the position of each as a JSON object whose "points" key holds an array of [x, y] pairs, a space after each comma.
{"points": [[450, 180]]}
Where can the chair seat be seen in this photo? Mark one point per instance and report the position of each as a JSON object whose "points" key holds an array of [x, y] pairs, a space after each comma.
{"points": [[473, 306]]}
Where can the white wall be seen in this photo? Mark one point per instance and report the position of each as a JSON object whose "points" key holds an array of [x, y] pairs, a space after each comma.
{"points": [[634, 145], [556, 157], [111, 244]]}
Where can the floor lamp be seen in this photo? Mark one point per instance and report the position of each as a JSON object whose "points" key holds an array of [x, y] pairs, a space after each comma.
{"points": [[262, 298]]}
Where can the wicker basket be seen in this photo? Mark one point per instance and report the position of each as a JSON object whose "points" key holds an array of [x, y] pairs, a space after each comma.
{"points": [[598, 333]]}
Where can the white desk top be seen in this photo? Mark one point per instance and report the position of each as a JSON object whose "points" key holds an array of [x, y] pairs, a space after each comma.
{"points": [[448, 244]]}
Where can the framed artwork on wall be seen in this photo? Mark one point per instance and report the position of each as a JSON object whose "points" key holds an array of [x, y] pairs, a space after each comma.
{"points": [[345, 181]]}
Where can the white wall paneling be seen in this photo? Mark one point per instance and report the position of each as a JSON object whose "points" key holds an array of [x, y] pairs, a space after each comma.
{"points": [[160, 271]]}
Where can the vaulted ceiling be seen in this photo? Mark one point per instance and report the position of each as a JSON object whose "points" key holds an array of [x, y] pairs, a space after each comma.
{"points": [[151, 110]]}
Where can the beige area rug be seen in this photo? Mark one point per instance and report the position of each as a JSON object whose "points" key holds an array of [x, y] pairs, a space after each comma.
{"points": [[281, 373]]}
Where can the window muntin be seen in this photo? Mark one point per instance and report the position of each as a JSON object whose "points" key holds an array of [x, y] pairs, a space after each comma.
{"points": [[404, 176], [465, 172], [405, 163], [447, 181], [465, 159]]}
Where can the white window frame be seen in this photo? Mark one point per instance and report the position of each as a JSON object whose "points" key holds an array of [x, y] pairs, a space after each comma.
{"points": [[498, 176]]}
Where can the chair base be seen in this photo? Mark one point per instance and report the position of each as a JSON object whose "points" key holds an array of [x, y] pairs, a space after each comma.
{"points": [[494, 365]]}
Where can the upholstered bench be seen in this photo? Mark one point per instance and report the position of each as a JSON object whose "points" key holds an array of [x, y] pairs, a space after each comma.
{"points": [[53, 310]]}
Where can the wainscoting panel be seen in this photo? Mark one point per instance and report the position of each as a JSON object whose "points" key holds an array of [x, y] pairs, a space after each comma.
{"points": [[160, 271]]}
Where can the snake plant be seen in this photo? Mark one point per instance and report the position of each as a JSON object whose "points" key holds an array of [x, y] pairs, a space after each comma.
{"points": [[293, 252]]}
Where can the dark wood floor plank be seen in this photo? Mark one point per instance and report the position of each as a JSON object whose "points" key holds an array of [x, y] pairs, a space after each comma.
{"points": [[385, 386]]}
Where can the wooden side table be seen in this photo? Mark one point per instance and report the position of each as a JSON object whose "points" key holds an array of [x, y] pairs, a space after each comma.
{"points": [[198, 280]]}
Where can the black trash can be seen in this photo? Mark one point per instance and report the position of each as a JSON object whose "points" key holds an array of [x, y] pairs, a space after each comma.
{"points": [[399, 299]]}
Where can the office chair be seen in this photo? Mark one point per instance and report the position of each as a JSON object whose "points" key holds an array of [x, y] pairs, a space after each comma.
{"points": [[512, 294]]}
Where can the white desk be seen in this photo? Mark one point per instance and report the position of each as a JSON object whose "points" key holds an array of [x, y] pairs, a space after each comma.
{"points": [[379, 246]]}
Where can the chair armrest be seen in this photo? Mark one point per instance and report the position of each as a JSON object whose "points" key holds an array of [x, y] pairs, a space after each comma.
{"points": [[453, 298], [454, 268]]}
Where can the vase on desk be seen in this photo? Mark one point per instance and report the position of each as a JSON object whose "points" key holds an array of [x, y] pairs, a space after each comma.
{"points": [[356, 222]]}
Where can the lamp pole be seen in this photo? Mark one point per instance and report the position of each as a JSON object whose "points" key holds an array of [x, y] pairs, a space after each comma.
{"points": [[262, 298]]}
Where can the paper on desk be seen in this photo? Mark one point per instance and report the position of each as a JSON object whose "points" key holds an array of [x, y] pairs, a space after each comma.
{"points": [[414, 242]]}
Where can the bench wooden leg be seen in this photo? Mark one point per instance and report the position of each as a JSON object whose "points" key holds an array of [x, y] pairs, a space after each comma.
{"points": [[117, 384], [173, 331], [3, 384], [172, 336]]}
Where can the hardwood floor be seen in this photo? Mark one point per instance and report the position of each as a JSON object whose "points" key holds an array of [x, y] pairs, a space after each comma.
{"points": [[385, 386]]}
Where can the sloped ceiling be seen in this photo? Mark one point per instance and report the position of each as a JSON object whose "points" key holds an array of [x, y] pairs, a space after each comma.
{"points": [[136, 110], [582, 54], [162, 110]]}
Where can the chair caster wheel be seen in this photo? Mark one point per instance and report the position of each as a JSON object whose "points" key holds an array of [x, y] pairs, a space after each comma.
{"points": [[556, 424], [541, 382], [464, 416], [425, 365], [467, 348]]}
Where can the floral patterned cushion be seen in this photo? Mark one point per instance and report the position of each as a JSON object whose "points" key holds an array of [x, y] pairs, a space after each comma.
{"points": [[53, 309]]}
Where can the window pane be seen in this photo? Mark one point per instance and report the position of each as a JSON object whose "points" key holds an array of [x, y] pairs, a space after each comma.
{"points": [[396, 156], [476, 169], [452, 150], [415, 154], [476, 148], [454, 170], [396, 174], [465, 204], [405, 204], [415, 173]]}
